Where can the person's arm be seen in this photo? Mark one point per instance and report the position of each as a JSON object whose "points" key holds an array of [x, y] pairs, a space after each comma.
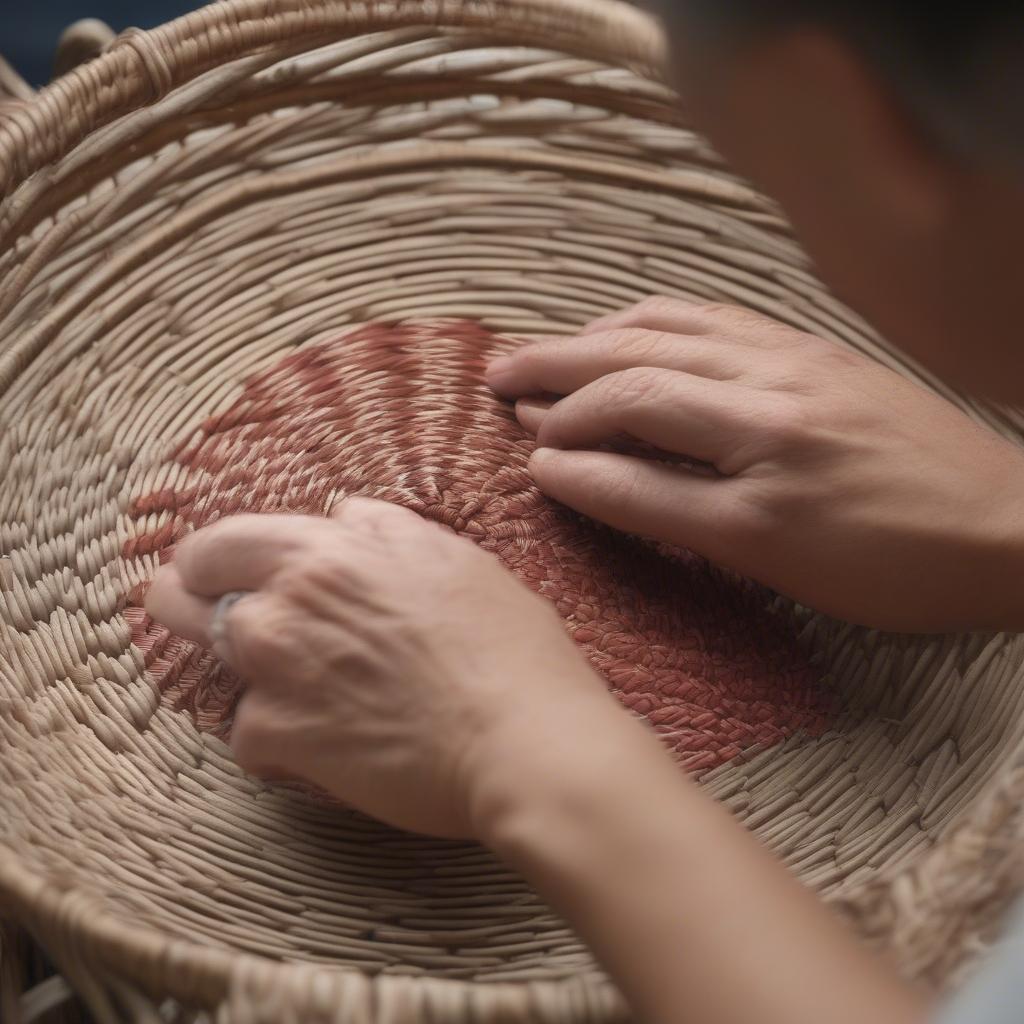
{"points": [[694, 919], [385, 662]]}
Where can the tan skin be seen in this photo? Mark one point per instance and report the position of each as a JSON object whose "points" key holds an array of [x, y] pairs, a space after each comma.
{"points": [[377, 649]]}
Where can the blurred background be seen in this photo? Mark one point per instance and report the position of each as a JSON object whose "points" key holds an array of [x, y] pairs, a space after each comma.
{"points": [[29, 29]]}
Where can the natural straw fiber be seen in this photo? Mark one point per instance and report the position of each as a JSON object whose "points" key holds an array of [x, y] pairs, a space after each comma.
{"points": [[199, 229], [401, 414]]}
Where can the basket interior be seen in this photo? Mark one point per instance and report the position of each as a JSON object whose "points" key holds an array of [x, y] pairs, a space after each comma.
{"points": [[265, 209]]}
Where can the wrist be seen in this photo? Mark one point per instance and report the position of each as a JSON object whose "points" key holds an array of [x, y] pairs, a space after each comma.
{"points": [[1004, 545], [988, 563], [544, 765], [597, 817]]}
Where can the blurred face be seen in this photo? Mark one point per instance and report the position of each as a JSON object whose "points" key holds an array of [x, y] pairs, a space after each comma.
{"points": [[925, 245]]}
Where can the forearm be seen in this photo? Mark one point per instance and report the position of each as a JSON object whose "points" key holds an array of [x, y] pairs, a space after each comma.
{"points": [[690, 915]]}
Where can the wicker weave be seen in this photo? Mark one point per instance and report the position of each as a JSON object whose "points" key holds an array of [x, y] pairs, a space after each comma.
{"points": [[198, 212]]}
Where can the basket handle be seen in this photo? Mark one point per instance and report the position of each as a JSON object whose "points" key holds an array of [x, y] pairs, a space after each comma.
{"points": [[82, 41], [142, 67], [12, 85]]}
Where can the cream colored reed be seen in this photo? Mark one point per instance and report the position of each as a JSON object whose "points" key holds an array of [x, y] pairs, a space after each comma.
{"points": [[184, 211]]}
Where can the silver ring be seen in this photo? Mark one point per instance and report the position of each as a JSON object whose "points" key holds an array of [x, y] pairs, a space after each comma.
{"points": [[218, 630]]}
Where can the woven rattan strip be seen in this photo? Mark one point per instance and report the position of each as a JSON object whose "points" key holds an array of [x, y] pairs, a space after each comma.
{"points": [[203, 211]]}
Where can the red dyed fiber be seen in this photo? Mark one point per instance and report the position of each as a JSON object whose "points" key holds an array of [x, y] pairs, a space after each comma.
{"points": [[401, 413]]}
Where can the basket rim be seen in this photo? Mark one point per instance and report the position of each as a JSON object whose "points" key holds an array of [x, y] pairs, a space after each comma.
{"points": [[141, 67], [202, 975]]}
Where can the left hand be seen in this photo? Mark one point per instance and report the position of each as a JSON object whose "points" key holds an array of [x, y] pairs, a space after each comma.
{"points": [[831, 478], [387, 660]]}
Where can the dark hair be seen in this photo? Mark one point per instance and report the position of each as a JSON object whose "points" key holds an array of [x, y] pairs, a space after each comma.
{"points": [[958, 66]]}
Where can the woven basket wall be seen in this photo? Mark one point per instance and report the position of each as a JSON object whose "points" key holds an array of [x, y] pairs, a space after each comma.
{"points": [[202, 223]]}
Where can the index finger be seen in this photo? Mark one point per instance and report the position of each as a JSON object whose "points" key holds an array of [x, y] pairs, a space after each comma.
{"points": [[564, 365], [169, 602], [243, 552]]}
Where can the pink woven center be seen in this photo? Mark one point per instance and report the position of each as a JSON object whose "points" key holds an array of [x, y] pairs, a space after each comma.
{"points": [[400, 413]]}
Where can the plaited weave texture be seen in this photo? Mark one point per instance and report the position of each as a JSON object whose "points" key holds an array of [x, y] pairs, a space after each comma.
{"points": [[401, 414], [222, 202]]}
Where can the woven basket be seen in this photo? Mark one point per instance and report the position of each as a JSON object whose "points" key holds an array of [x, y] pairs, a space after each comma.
{"points": [[198, 229]]}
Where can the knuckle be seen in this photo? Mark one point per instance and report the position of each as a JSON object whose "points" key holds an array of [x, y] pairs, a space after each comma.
{"points": [[260, 633], [356, 509], [629, 484], [761, 515], [658, 305], [787, 422], [631, 386], [639, 346], [726, 310], [292, 585], [837, 355], [399, 521], [371, 516], [310, 571], [746, 318]]}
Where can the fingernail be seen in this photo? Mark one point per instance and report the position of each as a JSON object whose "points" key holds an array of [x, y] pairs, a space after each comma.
{"points": [[534, 404], [531, 412], [540, 456], [497, 368]]}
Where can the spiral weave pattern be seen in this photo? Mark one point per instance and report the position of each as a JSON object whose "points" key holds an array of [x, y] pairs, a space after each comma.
{"points": [[401, 414], [197, 228]]}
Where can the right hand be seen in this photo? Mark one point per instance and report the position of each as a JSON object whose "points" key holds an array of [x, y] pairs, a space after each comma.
{"points": [[392, 663], [834, 480]]}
